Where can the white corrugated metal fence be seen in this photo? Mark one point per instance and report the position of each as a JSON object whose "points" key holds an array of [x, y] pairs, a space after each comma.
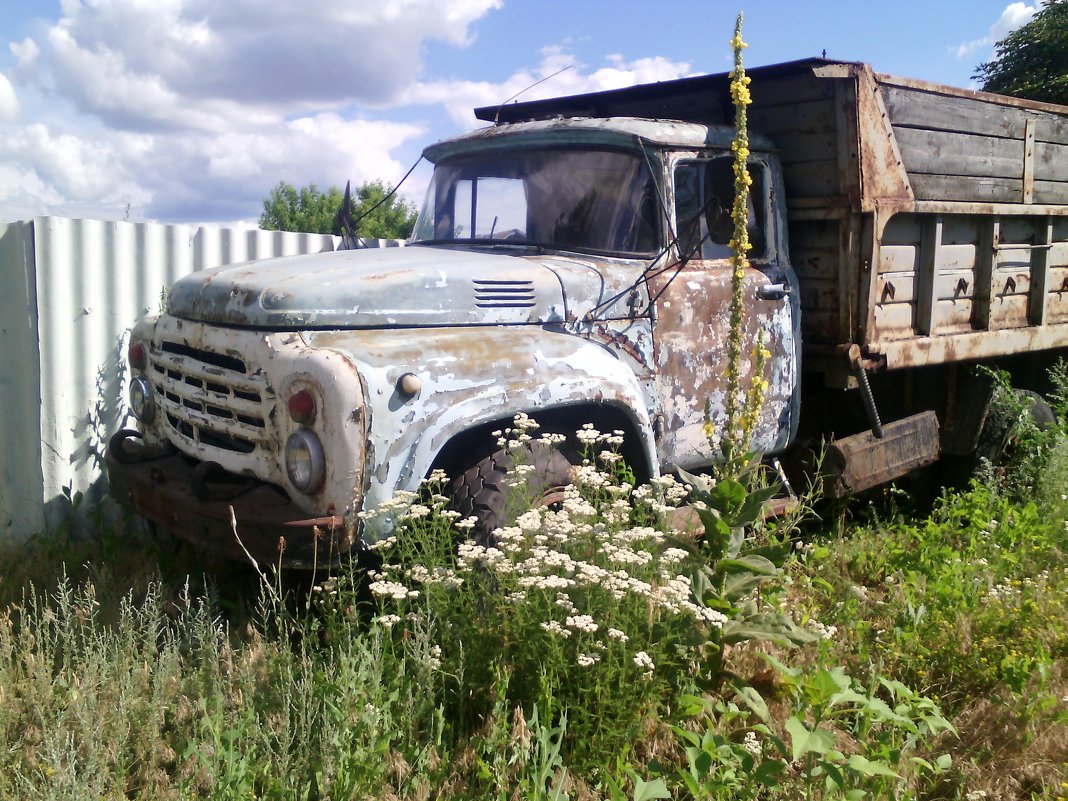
{"points": [[71, 290]]}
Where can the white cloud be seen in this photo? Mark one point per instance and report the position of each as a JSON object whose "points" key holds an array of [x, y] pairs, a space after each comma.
{"points": [[155, 64], [1014, 16], [9, 102], [320, 149], [176, 176], [101, 83], [459, 97], [64, 168], [26, 53]]}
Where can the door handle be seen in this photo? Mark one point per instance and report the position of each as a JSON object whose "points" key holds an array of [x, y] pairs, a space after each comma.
{"points": [[773, 292]]}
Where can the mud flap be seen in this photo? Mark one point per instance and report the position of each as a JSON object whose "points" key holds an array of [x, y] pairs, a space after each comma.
{"points": [[862, 461]]}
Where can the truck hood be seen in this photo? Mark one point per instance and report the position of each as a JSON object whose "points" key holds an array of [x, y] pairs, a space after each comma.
{"points": [[409, 286]]}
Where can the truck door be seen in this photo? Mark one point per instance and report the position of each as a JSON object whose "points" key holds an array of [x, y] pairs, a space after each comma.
{"points": [[692, 309]]}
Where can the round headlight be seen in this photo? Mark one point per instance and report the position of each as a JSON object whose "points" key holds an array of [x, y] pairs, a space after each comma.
{"points": [[305, 462], [141, 400]]}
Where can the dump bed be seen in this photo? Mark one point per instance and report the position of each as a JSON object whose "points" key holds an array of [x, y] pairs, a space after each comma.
{"points": [[927, 224]]}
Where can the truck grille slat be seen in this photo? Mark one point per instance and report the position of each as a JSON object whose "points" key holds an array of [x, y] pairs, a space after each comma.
{"points": [[208, 417], [222, 360], [211, 398], [181, 391], [185, 372]]}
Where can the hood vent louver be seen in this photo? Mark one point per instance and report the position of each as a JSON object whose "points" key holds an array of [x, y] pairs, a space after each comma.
{"points": [[504, 294]]}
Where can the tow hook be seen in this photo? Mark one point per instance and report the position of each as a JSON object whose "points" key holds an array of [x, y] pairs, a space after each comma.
{"points": [[137, 454]]}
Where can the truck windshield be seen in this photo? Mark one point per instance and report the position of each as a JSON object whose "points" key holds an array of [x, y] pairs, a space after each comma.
{"points": [[587, 200]]}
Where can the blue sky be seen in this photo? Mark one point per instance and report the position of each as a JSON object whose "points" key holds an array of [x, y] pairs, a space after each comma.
{"points": [[191, 110]]}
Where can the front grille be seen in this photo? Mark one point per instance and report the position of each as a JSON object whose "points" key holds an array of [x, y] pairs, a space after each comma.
{"points": [[210, 398], [504, 294]]}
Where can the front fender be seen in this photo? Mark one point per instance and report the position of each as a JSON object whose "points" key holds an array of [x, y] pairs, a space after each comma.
{"points": [[470, 376]]}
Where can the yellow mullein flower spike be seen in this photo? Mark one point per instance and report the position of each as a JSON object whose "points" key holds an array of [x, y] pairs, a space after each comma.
{"points": [[742, 407]]}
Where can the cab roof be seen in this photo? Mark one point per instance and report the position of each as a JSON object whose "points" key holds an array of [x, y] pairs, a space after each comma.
{"points": [[626, 132]]}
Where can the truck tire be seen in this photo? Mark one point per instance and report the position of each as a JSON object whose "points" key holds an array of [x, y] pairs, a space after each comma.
{"points": [[998, 429], [483, 491]]}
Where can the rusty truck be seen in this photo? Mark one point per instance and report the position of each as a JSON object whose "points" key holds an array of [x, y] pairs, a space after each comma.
{"points": [[570, 263]]}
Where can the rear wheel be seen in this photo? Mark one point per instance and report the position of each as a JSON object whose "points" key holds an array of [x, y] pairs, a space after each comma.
{"points": [[1000, 426], [494, 492]]}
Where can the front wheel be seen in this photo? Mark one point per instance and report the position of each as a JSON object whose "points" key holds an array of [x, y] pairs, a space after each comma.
{"points": [[495, 492]]}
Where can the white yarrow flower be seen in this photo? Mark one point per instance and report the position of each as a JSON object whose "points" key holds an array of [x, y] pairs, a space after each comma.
{"points": [[587, 435], [581, 623], [563, 600], [751, 744], [392, 589], [644, 663], [824, 632], [673, 555], [554, 627]]}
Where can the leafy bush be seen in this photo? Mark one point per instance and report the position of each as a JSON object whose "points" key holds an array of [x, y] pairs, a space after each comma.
{"points": [[586, 609], [838, 737], [971, 606]]}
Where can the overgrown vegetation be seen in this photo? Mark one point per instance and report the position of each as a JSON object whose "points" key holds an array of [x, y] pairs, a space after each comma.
{"points": [[591, 652]]}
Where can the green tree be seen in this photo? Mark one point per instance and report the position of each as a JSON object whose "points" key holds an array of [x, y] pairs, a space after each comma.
{"points": [[312, 211], [1032, 61]]}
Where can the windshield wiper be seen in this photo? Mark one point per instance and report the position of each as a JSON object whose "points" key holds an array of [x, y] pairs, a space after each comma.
{"points": [[673, 242], [348, 228]]}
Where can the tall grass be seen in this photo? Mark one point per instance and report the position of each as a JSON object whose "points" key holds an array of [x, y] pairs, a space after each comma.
{"points": [[166, 701], [555, 661]]}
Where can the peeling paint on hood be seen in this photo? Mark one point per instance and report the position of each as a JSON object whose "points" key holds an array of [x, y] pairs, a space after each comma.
{"points": [[400, 287]]}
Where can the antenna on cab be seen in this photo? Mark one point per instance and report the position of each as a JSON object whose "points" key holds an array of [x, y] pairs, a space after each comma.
{"points": [[496, 116]]}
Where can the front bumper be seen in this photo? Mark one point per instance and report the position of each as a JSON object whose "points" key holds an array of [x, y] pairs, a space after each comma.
{"points": [[234, 517]]}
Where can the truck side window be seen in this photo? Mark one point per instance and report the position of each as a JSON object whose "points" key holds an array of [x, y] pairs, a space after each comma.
{"points": [[704, 194]]}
